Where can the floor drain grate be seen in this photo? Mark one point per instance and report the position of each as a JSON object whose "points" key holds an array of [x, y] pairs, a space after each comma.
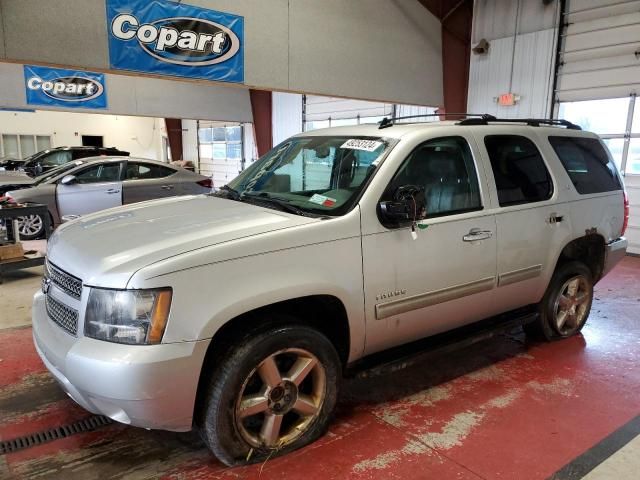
{"points": [[64, 431]]}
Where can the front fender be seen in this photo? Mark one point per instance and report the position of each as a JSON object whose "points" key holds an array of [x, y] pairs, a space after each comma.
{"points": [[208, 296]]}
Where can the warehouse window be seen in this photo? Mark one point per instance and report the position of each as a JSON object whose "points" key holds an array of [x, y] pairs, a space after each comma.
{"points": [[518, 169], [220, 149], [587, 164], [23, 146], [617, 121]]}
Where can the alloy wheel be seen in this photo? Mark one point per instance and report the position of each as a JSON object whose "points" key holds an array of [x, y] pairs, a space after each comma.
{"points": [[280, 398], [572, 305], [30, 225]]}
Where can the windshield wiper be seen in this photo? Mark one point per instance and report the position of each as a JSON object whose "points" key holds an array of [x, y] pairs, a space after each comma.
{"points": [[228, 192], [283, 203]]}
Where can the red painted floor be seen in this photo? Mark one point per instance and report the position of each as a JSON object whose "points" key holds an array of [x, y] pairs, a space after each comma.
{"points": [[503, 409]]}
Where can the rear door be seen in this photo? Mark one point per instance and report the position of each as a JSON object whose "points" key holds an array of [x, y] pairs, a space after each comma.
{"points": [[97, 187], [146, 181], [531, 222]]}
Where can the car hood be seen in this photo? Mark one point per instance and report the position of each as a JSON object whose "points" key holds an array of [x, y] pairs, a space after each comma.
{"points": [[107, 248], [15, 178]]}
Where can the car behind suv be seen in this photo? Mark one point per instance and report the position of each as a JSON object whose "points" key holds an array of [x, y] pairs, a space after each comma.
{"points": [[238, 312], [46, 160]]}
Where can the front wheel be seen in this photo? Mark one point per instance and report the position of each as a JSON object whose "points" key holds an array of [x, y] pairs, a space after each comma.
{"points": [[566, 304], [273, 393]]}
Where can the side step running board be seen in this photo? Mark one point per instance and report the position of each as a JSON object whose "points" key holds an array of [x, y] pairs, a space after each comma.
{"points": [[416, 352]]}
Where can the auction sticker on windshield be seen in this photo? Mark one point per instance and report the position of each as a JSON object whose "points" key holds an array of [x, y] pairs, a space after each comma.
{"points": [[360, 144], [322, 200]]}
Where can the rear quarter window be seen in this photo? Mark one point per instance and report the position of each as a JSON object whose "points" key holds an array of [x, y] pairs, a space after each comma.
{"points": [[588, 164]]}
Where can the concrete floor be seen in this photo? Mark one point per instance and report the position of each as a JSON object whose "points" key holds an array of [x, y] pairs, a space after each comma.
{"points": [[502, 409]]}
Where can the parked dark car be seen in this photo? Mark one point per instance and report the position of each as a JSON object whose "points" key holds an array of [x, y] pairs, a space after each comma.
{"points": [[10, 163], [45, 160]]}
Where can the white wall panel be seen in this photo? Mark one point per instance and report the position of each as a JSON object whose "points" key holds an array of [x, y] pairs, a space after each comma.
{"points": [[374, 49], [190, 141], [141, 136], [632, 183], [146, 96], [497, 18], [532, 76], [287, 115]]}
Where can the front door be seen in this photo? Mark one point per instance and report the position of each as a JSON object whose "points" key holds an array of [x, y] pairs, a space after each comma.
{"points": [[96, 187], [444, 276]]}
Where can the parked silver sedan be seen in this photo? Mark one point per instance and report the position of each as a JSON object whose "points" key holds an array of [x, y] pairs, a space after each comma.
{"points": [[89, 185]]}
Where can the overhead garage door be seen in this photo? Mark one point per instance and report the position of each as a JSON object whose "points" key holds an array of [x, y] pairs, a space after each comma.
{"points": [[598, 80], [323, 112], [220, 151]]}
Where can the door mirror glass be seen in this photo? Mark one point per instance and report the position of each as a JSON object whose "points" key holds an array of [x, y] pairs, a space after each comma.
{"points": [[68, 180]]}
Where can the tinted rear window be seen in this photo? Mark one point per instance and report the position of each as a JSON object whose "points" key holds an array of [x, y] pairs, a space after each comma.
{"points": [[588, 164], [518, 169]]}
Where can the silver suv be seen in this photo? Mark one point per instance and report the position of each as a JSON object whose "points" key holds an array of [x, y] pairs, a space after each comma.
{"points": [[238, 312]]}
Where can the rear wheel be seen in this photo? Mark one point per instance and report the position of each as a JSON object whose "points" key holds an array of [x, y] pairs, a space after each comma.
{"points": [[31, 227], [565, 307], [271, 394]]}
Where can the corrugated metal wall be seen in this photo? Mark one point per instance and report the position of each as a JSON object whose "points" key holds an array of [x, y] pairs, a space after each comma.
{"points": [[599, 57], [522, 64]]}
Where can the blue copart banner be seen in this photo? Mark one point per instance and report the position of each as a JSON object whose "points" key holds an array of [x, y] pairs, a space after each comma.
{"points": [[170, 38], [64, 88]]}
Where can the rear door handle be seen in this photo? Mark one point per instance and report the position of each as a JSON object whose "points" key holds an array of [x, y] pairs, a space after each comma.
{"points": [[555, 218], [167, 187], [111, 191], [477, 234]]}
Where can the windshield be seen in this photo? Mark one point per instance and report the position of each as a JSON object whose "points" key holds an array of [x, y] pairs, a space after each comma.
{"points": [[56, 171], [322, 175]]}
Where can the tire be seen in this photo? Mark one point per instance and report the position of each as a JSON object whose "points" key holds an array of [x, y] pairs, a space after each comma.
{"points": [[31, 227], [241, 431], [566, 304]]}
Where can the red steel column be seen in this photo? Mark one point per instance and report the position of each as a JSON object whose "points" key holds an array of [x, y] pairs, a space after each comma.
{"points": [[456, 19], [174, 134], [261, 107]]}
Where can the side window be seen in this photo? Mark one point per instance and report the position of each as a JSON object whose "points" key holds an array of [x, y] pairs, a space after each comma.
{"points": [[146, 171], [109, 172], [518, 169], [444, 167], [56, 158], [588, 164]]}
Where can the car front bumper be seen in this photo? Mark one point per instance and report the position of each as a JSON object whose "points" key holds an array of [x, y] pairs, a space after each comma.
{"points": [[149, 386], [614, 252]]}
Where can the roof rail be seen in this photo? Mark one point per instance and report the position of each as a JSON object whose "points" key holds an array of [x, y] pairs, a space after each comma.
{"points": [[389, 122], [532, 122]]}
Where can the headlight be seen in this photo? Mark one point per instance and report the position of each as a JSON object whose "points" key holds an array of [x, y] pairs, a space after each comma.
{"points": [[127, 316]]}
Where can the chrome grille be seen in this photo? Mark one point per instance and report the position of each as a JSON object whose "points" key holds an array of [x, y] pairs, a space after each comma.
{"points": [[67, 283], [65, 317]]}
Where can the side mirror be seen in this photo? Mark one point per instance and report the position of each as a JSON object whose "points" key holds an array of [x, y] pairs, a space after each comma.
{"points": [[408, 205], [68, 180]]}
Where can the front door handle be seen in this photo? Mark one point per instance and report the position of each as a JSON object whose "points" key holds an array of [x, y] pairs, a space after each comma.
{"points": [[167, 187], [477, 234], [111, 191]]}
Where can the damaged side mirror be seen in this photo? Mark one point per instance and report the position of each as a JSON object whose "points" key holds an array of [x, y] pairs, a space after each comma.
{"points": [[407, 206]]}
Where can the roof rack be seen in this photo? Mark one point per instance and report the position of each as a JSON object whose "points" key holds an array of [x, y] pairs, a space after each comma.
{"points": [[532, 122], [389, 122]]}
